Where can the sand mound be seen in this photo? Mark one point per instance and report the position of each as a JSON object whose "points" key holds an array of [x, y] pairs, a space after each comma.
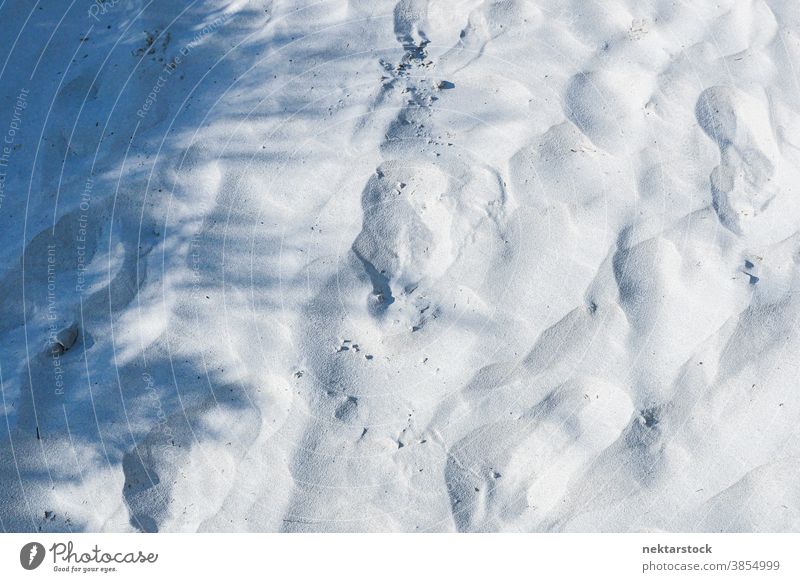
{"points": [[400, 266]]}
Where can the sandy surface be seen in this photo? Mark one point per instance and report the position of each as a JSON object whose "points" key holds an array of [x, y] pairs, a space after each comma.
{"points": [[414, 266]]}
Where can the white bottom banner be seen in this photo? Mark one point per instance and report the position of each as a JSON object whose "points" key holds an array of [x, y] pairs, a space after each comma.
{"points": [[396, 557]]}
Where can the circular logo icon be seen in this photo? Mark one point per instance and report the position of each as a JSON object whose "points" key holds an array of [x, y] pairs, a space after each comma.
{"points": [[31, 555]]}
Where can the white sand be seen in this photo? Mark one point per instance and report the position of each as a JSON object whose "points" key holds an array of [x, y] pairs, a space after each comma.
{"points": [[424, 266]]}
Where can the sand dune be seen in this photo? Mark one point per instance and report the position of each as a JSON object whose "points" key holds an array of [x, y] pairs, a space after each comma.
{"points": [[400, 266]]}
